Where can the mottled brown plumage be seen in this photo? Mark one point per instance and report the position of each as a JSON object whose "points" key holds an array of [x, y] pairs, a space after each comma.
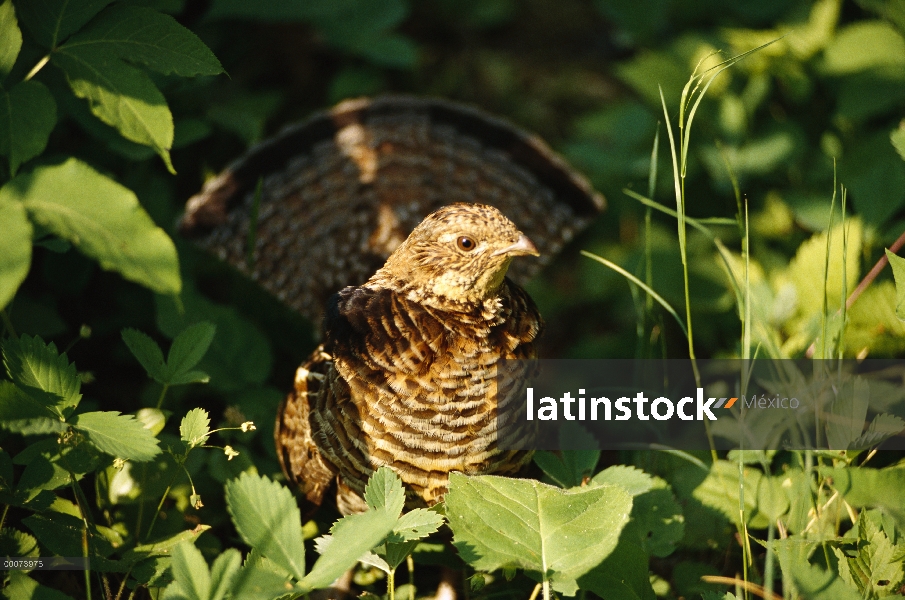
{"points": [[408, 374]]}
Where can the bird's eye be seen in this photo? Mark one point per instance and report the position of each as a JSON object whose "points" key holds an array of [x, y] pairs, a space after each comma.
{"points": [[466, 243]]}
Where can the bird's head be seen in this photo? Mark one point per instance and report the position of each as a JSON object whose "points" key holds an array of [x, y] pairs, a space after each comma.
{"points": [[459, 253]]}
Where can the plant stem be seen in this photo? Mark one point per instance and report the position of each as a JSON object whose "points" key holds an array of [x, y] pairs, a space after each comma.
{"points": [[163, 393], [535, 592], [391, 584], [37, 67]]}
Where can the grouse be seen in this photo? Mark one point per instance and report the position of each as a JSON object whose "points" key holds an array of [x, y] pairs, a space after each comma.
{"points": [[413, 372]]}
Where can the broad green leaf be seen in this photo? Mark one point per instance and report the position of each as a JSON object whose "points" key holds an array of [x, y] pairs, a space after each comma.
{"points": [[632, 480], [352, 536], [189, 348], [623, 574], [883, 427], [28, 113], [191, 576], [500, 522], [145, 36], [384, 491], [22, 586], [267, 517], [52, 21], [878, 488], [18, 543], [847, 414], [190, 377], [415, 525], [102, 219], [15, 249], [569, 468], [223, 573], [39, 475], [810, 581], [195, 427], [122, 436], [897, 137], [10, 39], [148, 354], [865, 45], [260, 578], [898, 272], [165, 546], [120, 95], [874, 570], [62, 534], [20, 413], [240, 353], [32, 363]]}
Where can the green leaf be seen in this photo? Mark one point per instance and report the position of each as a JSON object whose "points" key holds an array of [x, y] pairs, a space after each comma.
{"points": [[864, 45], [165, 546], [267, 517], [22, 586], [102, 219], [40, 474], [559, 534], [28, 114], [120, 95], [352, 536], [223, 572], [52, 21], [15, 249], [148, 354], [569, 468], [260, 578], [897, 137], [145, 36], [18, 543], [879, 488], [847, 414], [62, 534], [189, 348], [10, 39], [384, 491], [195, 427], [810, 580], [415, 525], [883, 427], [33, 364], [898, 272], [191, 576], [634, 481], [874, 571], [122, 436], [20, 413]]}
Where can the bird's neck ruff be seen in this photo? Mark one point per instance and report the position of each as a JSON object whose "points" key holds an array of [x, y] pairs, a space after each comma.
{"points": [[487, 307]]}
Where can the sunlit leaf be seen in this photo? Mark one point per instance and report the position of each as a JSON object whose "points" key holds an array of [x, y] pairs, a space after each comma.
{"points": [[101, 218], [119, 435], [558, 534], [15, 249]]}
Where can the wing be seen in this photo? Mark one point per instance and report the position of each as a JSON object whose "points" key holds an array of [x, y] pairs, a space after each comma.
{"points": [[342, 190], [298, 451]]}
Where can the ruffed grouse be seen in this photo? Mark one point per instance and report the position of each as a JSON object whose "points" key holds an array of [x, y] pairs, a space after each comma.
{"points": [[409, 374], [322, 205]]}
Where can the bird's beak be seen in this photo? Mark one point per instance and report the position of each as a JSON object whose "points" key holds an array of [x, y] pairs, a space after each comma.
{"points": [[522, 247]]}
